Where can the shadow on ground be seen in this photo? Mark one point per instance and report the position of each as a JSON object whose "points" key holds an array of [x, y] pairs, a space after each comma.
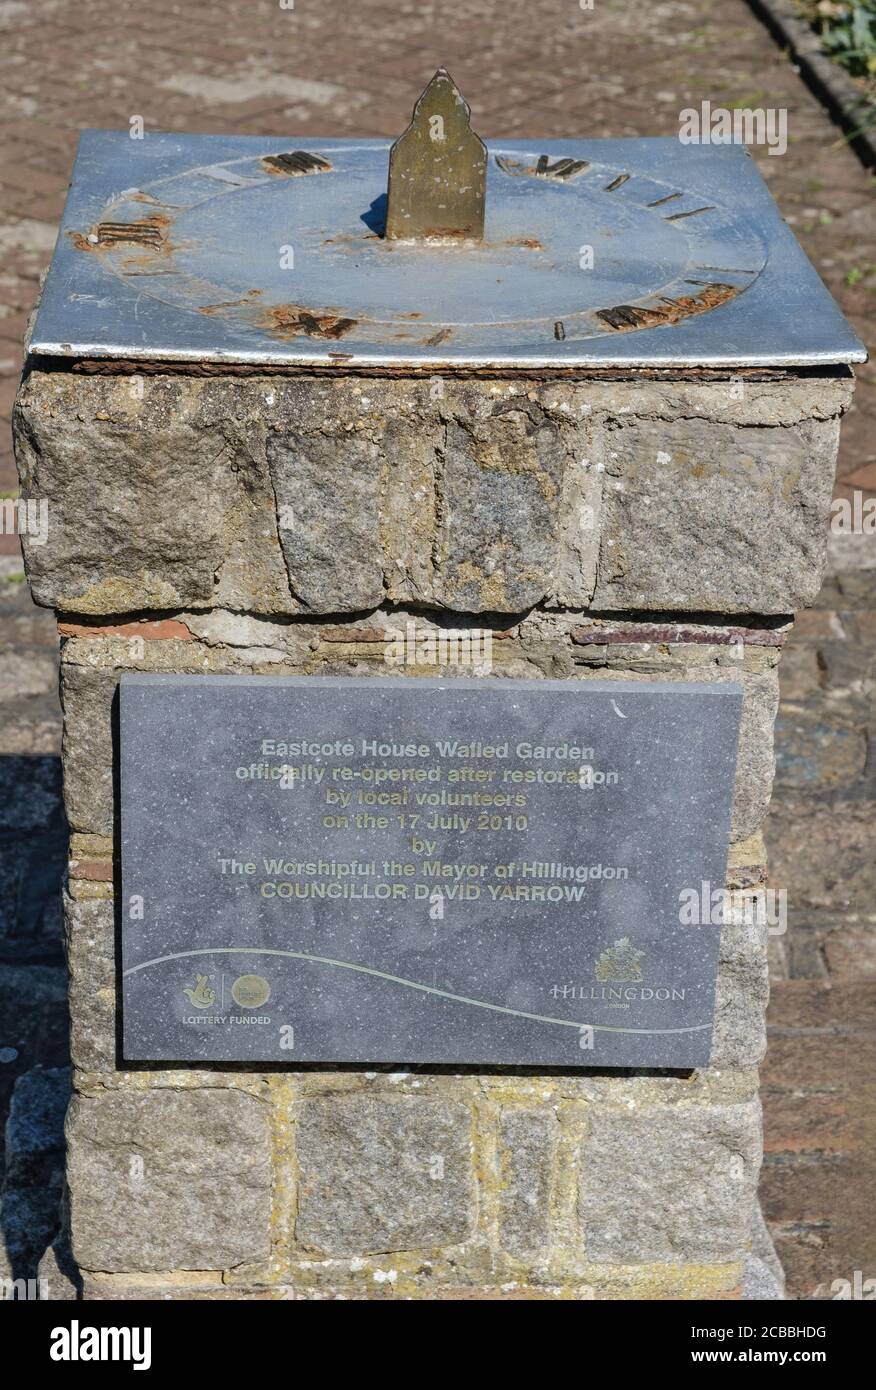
{"points": [[34, 1071]]}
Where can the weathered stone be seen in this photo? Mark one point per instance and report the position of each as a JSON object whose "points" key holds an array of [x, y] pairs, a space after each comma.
{"points": [[381, 1173], [755, 760], [87, 699], [184, 1287], [671, 1184], [715, 518], [758, 1281], [580, 524], [221, 628], [764, 1250], [484, 496], [130, 525], [741, 995], [734, 402], [527, 1142], [91, 962], [167, 1179], [409, 508], [501, 490], [328, 500]]}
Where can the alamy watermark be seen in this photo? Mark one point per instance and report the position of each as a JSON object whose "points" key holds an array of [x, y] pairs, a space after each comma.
{"points": [[717, 907], [718, 125], [25, 516], [853, 516], [471, 648], [24, 1290], [78, 1343], [856, 1290]]}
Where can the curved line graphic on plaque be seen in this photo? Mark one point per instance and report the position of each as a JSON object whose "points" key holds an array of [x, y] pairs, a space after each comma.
{"points": [[409, 984]]}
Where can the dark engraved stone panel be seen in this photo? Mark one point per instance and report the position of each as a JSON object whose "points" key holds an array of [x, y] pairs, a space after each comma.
{"points": [[408, 870]]}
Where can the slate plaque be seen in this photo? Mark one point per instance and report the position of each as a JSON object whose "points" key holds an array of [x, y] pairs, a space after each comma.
{"points": [[408, 870]]}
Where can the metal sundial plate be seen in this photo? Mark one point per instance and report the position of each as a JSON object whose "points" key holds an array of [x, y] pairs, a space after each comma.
{"points": [[235, 242], [601, 253]]}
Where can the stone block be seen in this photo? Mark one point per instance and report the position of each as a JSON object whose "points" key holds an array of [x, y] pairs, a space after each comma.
{"points": [[137, 493], [673, 1184], [710, 517], [380, 1173], [527, 1144], [328, 500], [169, 1179], [741, 996], [502, 484], [755, 760], [90, 934], [87, 700]]}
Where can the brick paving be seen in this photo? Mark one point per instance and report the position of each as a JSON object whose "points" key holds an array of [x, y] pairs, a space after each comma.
{"points": [[540, 68], [819, 1179]]}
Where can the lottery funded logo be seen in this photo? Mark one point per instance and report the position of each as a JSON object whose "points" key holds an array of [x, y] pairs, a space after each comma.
{"points": [[250, 991]]}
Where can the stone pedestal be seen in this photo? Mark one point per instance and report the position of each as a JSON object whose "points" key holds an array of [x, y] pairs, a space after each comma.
{"points": [[661, 527]]}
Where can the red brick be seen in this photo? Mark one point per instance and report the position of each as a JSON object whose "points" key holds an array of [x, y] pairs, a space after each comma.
{"points": [[850, 954], [814, 1124], [811, 1005], [801, 1190], [160, 630], [807, 1063], [94, 870]]}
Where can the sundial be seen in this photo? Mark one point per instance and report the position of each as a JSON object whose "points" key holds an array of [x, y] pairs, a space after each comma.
{"points": [[450, 254]]}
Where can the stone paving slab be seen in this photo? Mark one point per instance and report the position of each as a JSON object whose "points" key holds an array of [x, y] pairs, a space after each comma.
{"points": [[539, 68]]}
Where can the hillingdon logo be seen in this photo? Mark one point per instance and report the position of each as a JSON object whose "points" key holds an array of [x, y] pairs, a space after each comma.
{"points": [[620, 962], [621, 981]]}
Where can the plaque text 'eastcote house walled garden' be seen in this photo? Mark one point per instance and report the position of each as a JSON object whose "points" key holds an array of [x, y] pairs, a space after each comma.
{"points": [[331, 870]]}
